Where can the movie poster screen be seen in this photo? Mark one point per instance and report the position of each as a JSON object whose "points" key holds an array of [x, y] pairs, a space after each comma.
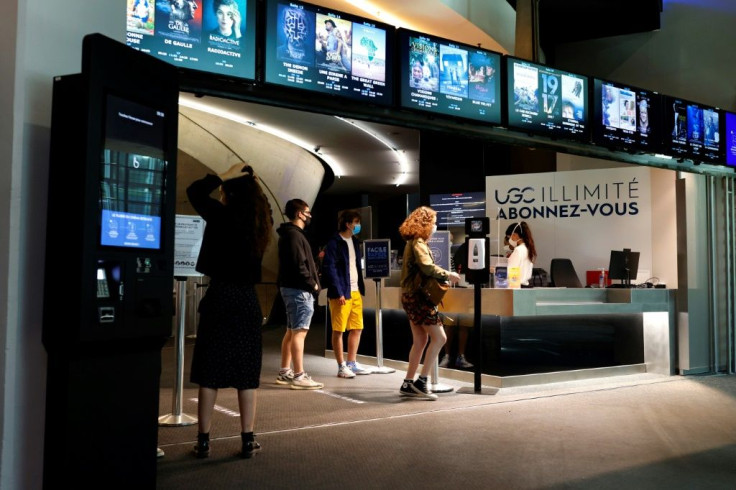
{"points": [[313, 48], [449, 78], [546, 101], [215, 36]]}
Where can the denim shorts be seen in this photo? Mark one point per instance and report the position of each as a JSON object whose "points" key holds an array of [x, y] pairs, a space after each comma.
{"points": [[299, 308]]}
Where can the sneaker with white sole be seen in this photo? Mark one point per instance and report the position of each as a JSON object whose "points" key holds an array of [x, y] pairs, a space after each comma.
{"points": [[345, 372], [445, 361], [356, 368], [305, 382], [462, 363], [285, 378], [410, 389]]}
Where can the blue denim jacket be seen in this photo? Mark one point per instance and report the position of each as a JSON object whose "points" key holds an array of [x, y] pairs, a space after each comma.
{"points": [[336, 270]]}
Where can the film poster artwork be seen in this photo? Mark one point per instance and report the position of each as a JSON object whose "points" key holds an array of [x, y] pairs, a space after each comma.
{"points": [[482, 77], [453, 71], [333, 46], [573, 101], [295, 35], [679, 123], [618, 108], [141, 16], [179, 21], [424, 70], [526, 90], [224, 24], [643, 117], [711, 134], [369, 52]]}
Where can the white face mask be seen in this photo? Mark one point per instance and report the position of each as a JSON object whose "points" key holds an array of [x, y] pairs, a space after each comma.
{"points": [[434, 229], [513, 243]]}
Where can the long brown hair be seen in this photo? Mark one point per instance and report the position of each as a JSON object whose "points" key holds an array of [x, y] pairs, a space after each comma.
{"points": [[253, 213], [418, 224], [525, 233]]}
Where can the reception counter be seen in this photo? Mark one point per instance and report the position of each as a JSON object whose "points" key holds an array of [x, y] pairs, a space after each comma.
{"points": [[542, 330]]}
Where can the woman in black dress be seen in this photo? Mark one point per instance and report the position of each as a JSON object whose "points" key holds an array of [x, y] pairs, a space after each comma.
{"points": [[228, 349]]}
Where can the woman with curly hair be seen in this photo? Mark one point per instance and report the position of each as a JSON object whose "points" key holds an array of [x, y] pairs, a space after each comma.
{"points": [[229, 351], [423, 316]]}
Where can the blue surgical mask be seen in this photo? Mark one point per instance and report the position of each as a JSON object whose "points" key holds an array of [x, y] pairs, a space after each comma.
{"points": [[356, 229]]}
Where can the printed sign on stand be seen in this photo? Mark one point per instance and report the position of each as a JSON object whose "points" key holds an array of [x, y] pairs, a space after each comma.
{"points": [[187, 242], [439, 244], [377, 258]]}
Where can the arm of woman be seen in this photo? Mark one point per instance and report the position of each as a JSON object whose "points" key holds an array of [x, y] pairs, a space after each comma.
{"points": [[199, 196]]}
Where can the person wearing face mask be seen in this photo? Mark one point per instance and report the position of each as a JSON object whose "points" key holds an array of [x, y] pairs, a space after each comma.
{"points": [[298, 282], [524, 252], [341, 274], [423, 315]]}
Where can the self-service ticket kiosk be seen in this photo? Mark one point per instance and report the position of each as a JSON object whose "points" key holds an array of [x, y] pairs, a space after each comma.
{"points": [[108, 301]]}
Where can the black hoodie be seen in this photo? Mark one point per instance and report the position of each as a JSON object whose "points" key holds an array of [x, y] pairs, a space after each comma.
{"points": [[297, 269]]}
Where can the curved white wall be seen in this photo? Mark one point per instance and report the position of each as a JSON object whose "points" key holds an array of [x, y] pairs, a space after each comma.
{"points": [[286, 170]]}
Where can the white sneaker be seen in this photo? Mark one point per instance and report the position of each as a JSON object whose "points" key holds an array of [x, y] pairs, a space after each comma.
{"points": [[445, 361], [285, 378], [356, 368], [304, 382], [345, 372]]}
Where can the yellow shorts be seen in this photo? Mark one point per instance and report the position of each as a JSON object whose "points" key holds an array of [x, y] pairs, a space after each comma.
{"points": [[348, 316]]}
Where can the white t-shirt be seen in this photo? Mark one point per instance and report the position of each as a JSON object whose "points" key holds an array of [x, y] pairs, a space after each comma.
{"points": [[520, 258], [353, 266]]}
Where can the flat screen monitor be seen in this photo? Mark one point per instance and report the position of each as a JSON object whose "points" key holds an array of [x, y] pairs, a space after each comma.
{"points": [[692, 130], [730, 138], [216, 36], [132, 175], [449, 78], [453, 209], [546, 101], [315, 48], [623, 265], [625, 117]]}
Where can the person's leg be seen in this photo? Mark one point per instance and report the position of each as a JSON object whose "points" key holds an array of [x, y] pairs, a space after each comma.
{"points": [[286, 349], [449, 333], [297, 349], [247, 406], [437, 335], [419, 342], [353, 343], [337, 347], [205, 405], [462, 340]]}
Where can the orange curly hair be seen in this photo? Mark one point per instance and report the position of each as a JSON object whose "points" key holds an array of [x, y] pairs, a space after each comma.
{"points": [[418, 224]]}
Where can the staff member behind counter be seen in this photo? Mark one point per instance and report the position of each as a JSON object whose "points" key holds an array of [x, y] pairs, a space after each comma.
{"points": [[523, 250]]}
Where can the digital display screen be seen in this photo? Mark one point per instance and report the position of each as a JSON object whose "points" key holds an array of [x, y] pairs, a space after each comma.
{"points": [[216, 36], [730, 136], [546, 101], [453, 209], [445, 77], [625, 117], [313, 48], [692, 130], [132, 175]]}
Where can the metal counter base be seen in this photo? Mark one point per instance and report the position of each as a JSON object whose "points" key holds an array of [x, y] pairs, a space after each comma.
{"points": [[542, 335]]}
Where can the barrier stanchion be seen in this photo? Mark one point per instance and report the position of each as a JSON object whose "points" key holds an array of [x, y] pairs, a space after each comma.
{"points": [[176, 417], [381, 369]]}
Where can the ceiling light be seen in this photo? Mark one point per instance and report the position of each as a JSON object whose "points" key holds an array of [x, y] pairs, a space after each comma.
{"points": [[400, 156], [231, 116]]}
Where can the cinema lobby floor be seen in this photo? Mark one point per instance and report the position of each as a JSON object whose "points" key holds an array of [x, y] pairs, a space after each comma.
{"points": [[635, 431]]}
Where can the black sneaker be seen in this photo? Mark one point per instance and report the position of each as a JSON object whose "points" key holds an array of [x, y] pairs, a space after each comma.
{"points": [[249, 449], [410, 389], [422, 390]]}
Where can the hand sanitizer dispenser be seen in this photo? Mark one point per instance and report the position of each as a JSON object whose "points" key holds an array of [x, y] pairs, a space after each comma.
{"points": [[477, 251]]}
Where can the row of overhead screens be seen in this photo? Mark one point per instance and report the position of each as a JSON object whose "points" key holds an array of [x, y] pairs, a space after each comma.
{"points": [[310, 48]]}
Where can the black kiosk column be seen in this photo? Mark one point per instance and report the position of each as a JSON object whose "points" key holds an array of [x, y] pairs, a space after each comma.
{"points": [[108, 301], [477, 272]]}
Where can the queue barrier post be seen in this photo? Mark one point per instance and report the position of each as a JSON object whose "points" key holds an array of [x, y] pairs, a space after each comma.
{"points": [[176, 418]]}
